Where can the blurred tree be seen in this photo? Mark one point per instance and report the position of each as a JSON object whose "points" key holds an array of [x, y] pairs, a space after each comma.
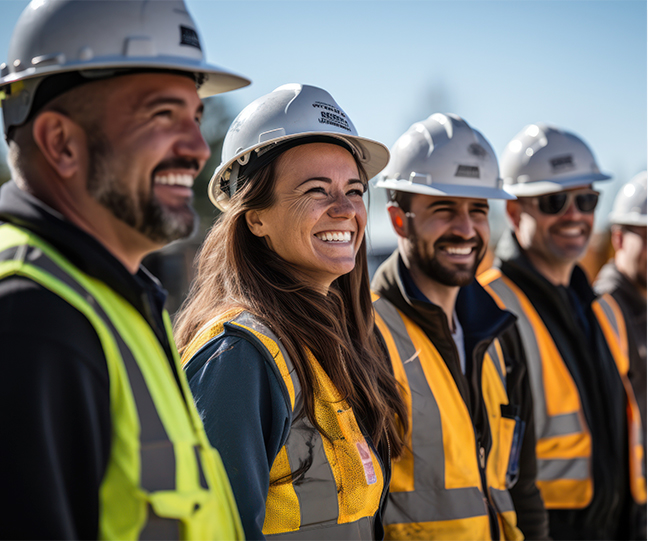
{"points": [[5, 174]]}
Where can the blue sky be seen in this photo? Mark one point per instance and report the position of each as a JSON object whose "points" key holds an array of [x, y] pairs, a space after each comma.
{"points": [[499, 64]]}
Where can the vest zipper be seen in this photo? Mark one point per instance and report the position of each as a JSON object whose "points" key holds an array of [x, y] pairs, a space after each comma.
{"points": [[490, 508]]}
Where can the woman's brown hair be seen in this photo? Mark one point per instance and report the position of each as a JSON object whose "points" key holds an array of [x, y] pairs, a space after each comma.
{"points": [[236, 269]]}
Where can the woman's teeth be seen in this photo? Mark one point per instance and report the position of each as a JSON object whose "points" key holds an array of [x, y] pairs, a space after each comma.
{"points": [[338, 236], [175, 180]]}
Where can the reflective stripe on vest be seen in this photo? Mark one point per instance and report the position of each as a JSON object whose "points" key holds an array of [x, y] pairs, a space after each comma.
{"points": [[611, 320], [564, 446], [318, 486], [160, 469], [436, 486]]}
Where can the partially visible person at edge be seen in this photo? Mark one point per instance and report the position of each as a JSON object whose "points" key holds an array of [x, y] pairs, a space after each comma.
{"points": [[624, 277], [470, 454], [277, 333], [586, 417], [101, 436]]}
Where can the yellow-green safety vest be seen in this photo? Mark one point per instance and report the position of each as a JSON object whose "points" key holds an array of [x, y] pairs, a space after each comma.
{"points": [[340, 492], [163, 479], [436, 490], [564, 443]]}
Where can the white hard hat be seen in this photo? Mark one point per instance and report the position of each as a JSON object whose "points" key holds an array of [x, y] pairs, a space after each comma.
{"points": [[443, 155], [289, 112], [543, 159], [96, 37], [630, 203]]}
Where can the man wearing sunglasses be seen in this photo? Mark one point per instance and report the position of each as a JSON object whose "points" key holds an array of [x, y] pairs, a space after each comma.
{"points": [[586, 418]]}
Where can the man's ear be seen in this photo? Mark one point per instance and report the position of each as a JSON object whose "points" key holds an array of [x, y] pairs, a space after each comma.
{"points": [[616, 238], [398, 220], [255, 223], [61, 141], [514, 211]]}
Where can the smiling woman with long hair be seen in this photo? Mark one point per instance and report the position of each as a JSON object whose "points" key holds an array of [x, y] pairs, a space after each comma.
{"points": [[277, 333]]}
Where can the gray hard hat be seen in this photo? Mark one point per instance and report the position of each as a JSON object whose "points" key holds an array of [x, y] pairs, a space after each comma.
{"points": [[630, 203], [100, 38], [442, 155], [544, 159], [290, 112]]}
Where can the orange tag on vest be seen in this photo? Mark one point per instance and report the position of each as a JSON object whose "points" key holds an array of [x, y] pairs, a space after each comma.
{"points": [[367, 463]]}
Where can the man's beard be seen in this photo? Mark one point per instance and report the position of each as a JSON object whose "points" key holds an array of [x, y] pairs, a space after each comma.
{"points": [[434, 269], [147, 215]]}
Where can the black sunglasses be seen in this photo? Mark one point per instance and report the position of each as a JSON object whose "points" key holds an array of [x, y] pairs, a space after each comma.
{"points": [[557, 203]]}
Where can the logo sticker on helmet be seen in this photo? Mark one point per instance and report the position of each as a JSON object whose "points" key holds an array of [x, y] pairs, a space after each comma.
{"points": [[188, 36], [477, 150], [468, 171], [332, 115], [562, 163]]}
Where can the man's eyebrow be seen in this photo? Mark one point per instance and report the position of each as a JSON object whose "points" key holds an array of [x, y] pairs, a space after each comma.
{"points": [[442, 203], [170, 100], [479, 204]]}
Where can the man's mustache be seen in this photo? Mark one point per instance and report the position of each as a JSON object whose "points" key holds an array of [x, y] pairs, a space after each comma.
{"points": [[177, 163]]}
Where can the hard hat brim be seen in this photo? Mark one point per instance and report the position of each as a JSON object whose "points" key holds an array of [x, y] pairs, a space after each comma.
{"points": [[449, 190], [632, 218], [217, 79], [544, 187], [375, 157]]}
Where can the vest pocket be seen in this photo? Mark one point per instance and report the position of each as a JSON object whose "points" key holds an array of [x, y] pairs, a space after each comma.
{"points": [[510, 445]]}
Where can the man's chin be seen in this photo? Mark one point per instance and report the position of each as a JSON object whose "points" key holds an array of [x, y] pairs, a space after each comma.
{"points": [[166, 227]]}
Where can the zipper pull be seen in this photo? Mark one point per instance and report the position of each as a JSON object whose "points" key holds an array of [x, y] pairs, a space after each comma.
{"points": [[482, 457]]}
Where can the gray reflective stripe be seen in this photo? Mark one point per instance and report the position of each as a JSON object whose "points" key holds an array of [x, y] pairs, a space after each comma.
{"points": [[157, 456], [430, 501], [315, 487], [158, 466], [362, 530], [494, 355], [609, 314], [502, 500], [572, 468], [159, 528], [534, 363], [248, 320], [563, 424]]}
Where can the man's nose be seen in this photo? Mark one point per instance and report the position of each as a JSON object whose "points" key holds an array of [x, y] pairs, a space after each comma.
{"points": [[192, 143]]}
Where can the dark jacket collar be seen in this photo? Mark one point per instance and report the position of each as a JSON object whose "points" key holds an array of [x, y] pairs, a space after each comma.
{"points": [[513, 262], [476, 310], [142, 290], [610, 279]]}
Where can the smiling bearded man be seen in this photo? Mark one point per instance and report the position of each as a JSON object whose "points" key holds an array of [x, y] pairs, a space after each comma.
{"points": [[467, 391], [587, 421], [101, 104]]}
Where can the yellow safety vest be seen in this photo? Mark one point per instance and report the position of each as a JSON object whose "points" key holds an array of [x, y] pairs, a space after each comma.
{"points": [[163, 479], [436, 490], [564, 444], [340, 492]]}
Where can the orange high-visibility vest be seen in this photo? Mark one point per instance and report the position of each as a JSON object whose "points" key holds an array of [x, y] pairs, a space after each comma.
{"points": [[436, 490], [564, 445]]}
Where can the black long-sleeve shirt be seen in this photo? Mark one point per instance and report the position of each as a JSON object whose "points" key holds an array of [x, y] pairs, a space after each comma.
{"points": [[54, 390]]}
